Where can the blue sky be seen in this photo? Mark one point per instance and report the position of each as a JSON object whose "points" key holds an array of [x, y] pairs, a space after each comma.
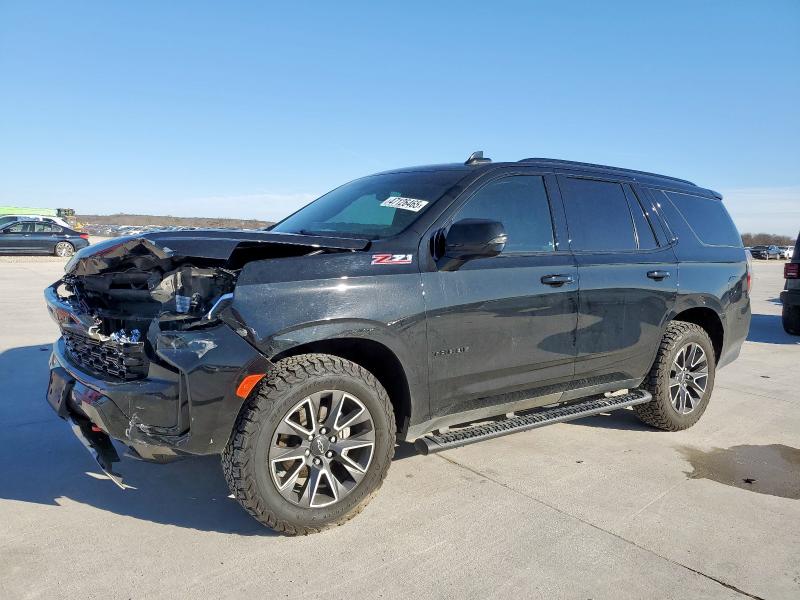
{"points": [[251, 109]]}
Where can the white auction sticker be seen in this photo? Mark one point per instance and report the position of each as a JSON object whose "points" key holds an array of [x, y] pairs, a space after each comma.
{"points": [[411, 204]]}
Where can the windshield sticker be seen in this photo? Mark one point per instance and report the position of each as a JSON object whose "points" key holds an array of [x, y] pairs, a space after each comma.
{"points": [[411, 204], [391, 259]]}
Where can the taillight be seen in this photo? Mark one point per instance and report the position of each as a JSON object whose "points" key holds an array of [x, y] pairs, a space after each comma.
{"points": [[84, 236], [749, 279], [791, 271]]}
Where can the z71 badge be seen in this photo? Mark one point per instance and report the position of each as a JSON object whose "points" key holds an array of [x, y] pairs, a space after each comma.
{"points": [[391, 259]]}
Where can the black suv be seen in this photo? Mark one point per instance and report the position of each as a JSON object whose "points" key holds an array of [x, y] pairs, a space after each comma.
{"points": [[790, 296], [404, 305]]}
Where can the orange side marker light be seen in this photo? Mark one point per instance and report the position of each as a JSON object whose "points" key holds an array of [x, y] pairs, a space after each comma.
{"points": [[247, 384]]}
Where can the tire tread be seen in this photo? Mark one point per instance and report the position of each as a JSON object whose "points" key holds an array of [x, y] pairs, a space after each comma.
{"points": [[656, 413], [286, 374]]}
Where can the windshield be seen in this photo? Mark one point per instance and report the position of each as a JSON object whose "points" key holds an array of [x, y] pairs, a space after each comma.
{"points": [[373, 207]]}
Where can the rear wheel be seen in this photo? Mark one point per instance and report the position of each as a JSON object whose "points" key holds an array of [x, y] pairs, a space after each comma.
{"points": [[681, 378], [312, 446], [64, 249], [791, 319]]}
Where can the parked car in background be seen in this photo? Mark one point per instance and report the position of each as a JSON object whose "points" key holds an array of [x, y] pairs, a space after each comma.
{"points": [[397, 306], [786, 252], [40, 237], [765, 252], [5, 219], [790, 296]]}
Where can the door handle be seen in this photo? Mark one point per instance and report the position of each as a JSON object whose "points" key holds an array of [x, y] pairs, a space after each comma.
{"points": [[658, 275], [557, 280]]}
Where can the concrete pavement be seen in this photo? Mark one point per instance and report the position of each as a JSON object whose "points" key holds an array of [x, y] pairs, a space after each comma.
{"points": [[599, 508]]}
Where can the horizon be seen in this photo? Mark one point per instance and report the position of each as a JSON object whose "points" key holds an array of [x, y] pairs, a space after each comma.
{"points": [[253, 111]]}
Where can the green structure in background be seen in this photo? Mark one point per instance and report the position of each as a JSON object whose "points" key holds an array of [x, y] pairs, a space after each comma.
{"points": [[45, 212]]}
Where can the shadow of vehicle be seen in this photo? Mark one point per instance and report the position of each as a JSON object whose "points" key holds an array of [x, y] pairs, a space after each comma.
{"points": [[42, 462], [624, 420], [768, 329]]}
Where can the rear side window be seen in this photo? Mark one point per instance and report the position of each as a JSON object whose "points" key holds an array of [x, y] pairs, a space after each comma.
{"points": [[598, 216], [520, 204], [644, 230], [707, 218]]}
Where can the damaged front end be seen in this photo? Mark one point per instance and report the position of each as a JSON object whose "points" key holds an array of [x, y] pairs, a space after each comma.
{"points": [[114, 305], [151, 350]]}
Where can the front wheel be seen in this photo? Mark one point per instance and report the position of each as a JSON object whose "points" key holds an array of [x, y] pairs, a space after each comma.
{"points": [[312, 446], [681, 378]]}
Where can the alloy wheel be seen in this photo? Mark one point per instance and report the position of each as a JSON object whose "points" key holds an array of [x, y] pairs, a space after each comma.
{"points": [[688, 378], [322, 449], [64, 249]]}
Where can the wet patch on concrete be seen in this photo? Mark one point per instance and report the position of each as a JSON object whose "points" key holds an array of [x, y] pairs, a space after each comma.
{"points": [[771, 469]]}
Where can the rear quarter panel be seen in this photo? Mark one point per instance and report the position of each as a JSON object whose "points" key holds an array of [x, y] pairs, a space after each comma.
{"points": [[714, 277]]}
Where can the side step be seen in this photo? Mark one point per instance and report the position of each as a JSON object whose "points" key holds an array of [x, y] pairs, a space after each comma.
{"points": [[434, 442]]}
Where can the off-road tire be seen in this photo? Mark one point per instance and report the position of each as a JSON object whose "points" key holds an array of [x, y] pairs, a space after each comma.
{"points": [[659, 412], [244, 460], [791, 319]]}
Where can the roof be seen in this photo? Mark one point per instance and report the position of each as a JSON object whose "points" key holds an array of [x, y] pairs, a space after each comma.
{"points": [[643, 177], [571, 164]]}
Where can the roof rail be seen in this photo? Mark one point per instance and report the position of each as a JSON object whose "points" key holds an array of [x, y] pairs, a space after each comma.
{"points": [[572, 163], [476, 158]]}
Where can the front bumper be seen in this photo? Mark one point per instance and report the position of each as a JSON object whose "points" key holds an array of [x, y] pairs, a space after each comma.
{"points": [[187, 404]]}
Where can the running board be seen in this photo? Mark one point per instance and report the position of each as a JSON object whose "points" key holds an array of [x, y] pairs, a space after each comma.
{"points": [[436, 442]]}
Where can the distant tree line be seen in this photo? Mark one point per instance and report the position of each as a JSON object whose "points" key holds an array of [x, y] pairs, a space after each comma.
{"points": [[131, 219], [767, 239]]}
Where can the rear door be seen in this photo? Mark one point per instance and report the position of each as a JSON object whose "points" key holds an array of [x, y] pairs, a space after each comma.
{"points": [[498, 333], [45, 236], [628, 280]]}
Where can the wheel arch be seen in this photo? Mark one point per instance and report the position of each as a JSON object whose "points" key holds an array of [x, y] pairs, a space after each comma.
{"points": [[710, 321], [376, 358]]}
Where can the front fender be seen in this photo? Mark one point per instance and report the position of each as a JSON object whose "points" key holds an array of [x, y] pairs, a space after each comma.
{"points": [[277, 316]]}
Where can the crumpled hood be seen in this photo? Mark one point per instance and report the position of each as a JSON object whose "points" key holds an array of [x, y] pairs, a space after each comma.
{"points": [[210, 244]]}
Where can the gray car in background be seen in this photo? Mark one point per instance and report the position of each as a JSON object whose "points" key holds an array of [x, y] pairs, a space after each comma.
{"points": [[40, 237]]}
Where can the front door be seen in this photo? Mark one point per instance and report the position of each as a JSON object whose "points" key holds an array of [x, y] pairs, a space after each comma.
{"points": [[501, 330], [628, 281], [15, 237]]}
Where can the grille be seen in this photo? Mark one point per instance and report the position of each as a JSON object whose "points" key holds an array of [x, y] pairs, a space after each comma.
{"points": [[121, 361]]}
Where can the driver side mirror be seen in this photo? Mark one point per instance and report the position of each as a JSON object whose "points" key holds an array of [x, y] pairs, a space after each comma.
{"points": [[469, 239]]}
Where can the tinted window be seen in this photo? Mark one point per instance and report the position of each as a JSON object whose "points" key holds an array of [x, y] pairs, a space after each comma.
{"points": [[598, 216], [20, 227], [708, 219], [520, 204], [644, 230], [372, 207], [44, 228]]}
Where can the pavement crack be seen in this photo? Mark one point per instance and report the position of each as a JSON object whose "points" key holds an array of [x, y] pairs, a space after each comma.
{"points": [[598, 527]]}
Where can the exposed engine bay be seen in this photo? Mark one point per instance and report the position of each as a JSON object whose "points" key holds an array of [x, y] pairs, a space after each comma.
{"points": [[128, 298], [122, 294]]}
